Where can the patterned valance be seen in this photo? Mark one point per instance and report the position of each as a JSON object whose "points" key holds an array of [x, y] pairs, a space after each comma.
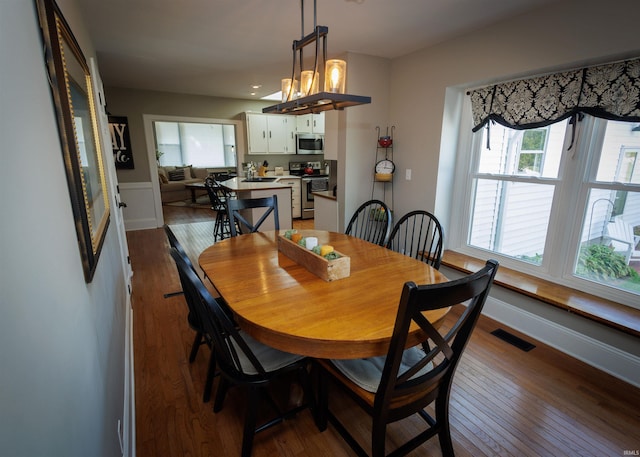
{"points": [[609, 91]]}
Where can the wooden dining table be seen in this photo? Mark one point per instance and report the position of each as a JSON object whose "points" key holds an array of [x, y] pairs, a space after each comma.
{"points": [[282, 304]]}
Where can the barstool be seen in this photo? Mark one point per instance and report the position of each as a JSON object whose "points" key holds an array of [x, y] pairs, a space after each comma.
{"points": [[218, 197]]}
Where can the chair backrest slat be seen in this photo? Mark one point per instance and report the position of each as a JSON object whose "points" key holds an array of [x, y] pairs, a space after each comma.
{"points": [[237, 220], [418, 234], [372, 222], [174, 243], [218, 196]]}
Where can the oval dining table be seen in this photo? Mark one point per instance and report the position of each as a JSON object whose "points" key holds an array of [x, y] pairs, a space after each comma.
{"points": [[282, 304]]}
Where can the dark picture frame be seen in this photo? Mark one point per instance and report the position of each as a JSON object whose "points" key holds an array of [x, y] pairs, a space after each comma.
{"points": [[72, 92]]}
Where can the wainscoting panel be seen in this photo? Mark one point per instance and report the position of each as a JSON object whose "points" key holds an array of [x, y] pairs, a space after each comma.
{"points": [[140, 212]]}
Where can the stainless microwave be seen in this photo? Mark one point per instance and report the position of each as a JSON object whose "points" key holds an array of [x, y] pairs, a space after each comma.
{"points": [[309, 143]]}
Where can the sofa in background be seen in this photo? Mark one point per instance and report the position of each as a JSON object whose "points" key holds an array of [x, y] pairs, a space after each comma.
{"points": [[173, 180]]}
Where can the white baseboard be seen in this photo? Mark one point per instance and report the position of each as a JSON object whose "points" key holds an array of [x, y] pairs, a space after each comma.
{"points": [[609, 359], [140, 224], [129, 413]]}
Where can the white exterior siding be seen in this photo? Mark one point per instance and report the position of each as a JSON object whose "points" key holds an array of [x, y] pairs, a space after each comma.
{"points": [[526, 218], [484, 221], [632, 209]]}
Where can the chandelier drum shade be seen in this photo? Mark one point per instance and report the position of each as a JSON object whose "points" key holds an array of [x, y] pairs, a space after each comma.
{"points": [[335, 76], [301, 93], [309, 81], [289, 89]]}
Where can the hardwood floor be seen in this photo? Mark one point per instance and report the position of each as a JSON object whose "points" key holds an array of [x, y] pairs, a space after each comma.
{"points": [[504, 401]]}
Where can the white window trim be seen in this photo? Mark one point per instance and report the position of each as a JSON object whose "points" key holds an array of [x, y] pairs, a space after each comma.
{"points": [[149, 119]]}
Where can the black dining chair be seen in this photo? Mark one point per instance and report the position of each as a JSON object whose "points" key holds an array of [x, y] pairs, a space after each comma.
{"points": [[218, 197], [371, 222], [418, 234], [239, 224], [245, 362], [193, 317], [404, 382]]}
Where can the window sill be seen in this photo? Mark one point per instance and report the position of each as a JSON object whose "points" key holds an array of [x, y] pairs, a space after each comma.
{"points": [[598, 309]]}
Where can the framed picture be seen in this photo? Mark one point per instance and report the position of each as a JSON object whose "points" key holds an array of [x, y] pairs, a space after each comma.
{"points": [[71, 88]]}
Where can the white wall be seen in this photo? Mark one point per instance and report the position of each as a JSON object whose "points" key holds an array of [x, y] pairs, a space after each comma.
{"points": [[427, 89], [61, 340], [369, 76]]}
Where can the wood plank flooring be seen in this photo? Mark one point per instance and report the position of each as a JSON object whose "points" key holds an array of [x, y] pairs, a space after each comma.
{"points": [[504, 402]]}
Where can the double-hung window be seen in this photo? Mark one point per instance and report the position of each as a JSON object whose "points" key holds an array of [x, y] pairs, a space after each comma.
{"points": [[558, 213], [550, 185], [515, 178], [609, 251]]}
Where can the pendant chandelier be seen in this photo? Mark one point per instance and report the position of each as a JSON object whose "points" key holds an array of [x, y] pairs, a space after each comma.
{"points": [[321, 88]]}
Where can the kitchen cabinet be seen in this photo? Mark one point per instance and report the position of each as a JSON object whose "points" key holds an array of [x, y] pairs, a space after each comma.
{"points": [[310, 123], [270, 133], [296, 196]]}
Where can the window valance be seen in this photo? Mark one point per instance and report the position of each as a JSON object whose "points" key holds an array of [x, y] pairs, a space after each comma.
{"points": [[609, 91]]}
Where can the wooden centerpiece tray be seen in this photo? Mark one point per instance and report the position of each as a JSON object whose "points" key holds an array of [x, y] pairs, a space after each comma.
{"points": [[329, 270]]}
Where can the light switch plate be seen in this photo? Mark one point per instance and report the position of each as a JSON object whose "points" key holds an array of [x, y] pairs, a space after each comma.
{"points": [[407, 174]]}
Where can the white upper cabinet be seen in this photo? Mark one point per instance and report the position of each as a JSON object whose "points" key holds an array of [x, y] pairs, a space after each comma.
{"points": [[310, 123], [270, 133]]}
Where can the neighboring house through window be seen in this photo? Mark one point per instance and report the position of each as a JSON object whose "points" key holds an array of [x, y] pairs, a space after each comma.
{"points": [[532, 149]]}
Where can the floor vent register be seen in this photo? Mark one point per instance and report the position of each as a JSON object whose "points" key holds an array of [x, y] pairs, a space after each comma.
{"points": [[513, 340]]}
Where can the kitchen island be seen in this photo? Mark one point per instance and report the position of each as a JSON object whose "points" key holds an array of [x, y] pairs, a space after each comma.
{"points": [[260, 188]]}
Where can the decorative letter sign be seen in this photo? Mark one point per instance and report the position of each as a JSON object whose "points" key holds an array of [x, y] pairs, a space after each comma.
{"points": [[121, 143]]}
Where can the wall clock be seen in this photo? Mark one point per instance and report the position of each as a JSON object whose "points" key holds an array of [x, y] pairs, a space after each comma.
{"points": [[385, 166]]}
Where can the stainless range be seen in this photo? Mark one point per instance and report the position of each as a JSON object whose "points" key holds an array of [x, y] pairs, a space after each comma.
{"points": [[313, 179]]}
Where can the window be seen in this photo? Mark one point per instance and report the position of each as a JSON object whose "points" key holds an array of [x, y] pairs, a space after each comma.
{"points": [[628, 169], [532, 150], [195, 143], [515, 183], [610, 233], [570, 215]]}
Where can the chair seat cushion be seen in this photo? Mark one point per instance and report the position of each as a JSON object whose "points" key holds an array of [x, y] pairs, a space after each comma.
{"points": [[271, 359], [366, 373]]}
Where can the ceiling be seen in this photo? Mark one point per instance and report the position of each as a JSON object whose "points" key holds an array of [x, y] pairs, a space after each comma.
{"points": [[224, 47]]}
